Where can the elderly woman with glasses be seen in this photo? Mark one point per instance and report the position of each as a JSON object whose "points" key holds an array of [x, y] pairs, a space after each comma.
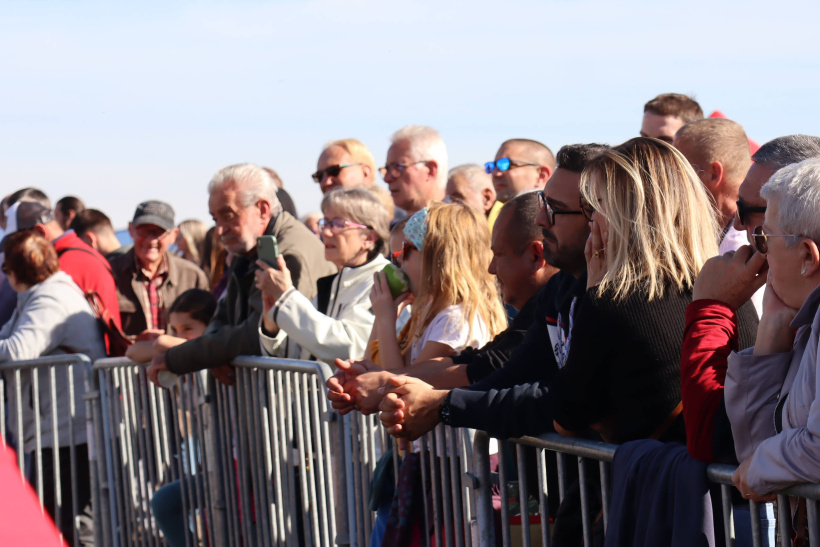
{"points": [[771, 389], [337, 323]]}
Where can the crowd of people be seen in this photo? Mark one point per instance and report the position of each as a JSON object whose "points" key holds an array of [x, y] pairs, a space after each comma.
{"points": [[664, 288]]}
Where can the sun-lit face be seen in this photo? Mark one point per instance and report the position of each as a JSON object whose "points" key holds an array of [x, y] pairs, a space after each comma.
{"points": [[347, 246], [518, 178], [511, 268], [348, 177], [660, 127], [411, 189], [237, 226], [182, 325], [784, 261], [565, 239], [151, 242]]}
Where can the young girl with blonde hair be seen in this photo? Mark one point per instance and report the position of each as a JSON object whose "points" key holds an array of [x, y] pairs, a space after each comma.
{"points": [[456, 301]]}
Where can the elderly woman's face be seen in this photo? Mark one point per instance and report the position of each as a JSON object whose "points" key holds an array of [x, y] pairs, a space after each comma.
{"points": [[784, 261], [348, 245]]}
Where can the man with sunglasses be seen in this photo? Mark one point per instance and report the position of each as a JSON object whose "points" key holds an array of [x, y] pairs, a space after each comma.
{"points": [[148, 277], [726, 283], [520, 165], [416, 168], [345, 163]]}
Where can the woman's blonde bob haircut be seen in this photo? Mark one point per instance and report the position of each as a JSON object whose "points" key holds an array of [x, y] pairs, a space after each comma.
{"points": [[662, 223], [454, 270], [361, 206]]}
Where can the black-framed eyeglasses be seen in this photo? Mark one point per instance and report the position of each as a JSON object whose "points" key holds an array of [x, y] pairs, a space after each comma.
{"points": [[396, 169], [505, 164], [552, 212], [338, 224], [743, 211], [331, 171], [761, 239], [406, 247]]}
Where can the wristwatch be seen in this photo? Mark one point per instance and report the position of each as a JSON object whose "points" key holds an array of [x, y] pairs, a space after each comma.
{"points": [[444, 410]]}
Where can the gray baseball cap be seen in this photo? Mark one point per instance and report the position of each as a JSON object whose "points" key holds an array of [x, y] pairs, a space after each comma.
{"points": [[154, 212]]}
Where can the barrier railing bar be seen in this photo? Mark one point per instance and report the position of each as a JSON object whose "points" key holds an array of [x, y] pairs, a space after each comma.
{"points": [[502, 483], [427, 476], [586, 517], [280, 531], [603, 468], [523, 495], [21, 453], [543, 495], [321, 429], [38, 432], [561, 463], [55, 445], [811, 513], [454, 461]]}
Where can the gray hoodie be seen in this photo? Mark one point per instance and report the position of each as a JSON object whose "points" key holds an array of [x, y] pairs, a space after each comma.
{"points": [[51, 318]]}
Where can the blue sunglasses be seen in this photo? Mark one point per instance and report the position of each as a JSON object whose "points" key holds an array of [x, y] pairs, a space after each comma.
{"points": [[505, 164]]}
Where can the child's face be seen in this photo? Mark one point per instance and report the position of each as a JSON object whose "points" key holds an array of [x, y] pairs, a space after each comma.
{"points": [[182, 325]]}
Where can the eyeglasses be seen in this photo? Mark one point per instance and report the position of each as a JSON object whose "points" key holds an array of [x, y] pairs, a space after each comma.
{"points": [[505, 164], [761, 239], [396, 169], [338, 224], [331, 171], [5, 268], [744, 210], [406, 247], [146, 232], [552, 212], [394, 257]]}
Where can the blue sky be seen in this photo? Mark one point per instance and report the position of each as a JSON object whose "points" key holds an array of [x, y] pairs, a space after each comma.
{"points": [[119, 103]]}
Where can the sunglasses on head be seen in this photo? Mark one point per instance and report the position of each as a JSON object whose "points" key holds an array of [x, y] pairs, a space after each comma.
{"points": [[505, 164], [331, 171], [743, 211]]}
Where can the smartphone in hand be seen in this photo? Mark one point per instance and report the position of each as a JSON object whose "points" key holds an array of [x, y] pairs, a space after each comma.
{"points": [[267, 249]]}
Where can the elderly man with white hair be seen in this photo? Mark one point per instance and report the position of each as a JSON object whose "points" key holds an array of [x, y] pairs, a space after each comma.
{"points": [[244, 205], [416, 168], [772, 389]]}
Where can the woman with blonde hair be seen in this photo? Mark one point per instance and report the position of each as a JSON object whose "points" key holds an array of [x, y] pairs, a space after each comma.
{"points": [[652, 228], [191, 240], [445, 255]]}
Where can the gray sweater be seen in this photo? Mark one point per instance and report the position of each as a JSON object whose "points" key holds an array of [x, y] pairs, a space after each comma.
{"points": [[51, 318]]}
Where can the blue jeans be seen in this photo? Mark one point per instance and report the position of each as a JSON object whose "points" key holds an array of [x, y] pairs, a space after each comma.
{"points": [[166, 506]]}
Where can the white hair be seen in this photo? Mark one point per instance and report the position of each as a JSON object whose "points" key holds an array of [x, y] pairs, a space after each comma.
{"points": [[253, 182], [796, 191], [425, 144], [475, 174]]}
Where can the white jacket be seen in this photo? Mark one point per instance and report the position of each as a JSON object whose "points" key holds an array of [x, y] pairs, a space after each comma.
{"points": [[51, 318], [342, 333]]}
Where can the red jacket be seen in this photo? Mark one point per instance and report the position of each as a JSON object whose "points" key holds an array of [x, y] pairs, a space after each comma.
{"points": [[89, 270], [708, 339]]}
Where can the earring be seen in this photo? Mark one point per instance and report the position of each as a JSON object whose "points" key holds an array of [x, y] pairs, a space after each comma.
{"points": [[803, 271]]}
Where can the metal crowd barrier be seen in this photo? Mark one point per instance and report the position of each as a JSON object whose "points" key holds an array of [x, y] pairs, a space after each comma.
{"points": [[45, 396], [253, 459], [588, 454], [447, 477]]}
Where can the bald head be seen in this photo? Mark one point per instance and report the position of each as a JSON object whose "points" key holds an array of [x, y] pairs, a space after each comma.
{"points": [[710, 140], [535, 151], [471, 185]]}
